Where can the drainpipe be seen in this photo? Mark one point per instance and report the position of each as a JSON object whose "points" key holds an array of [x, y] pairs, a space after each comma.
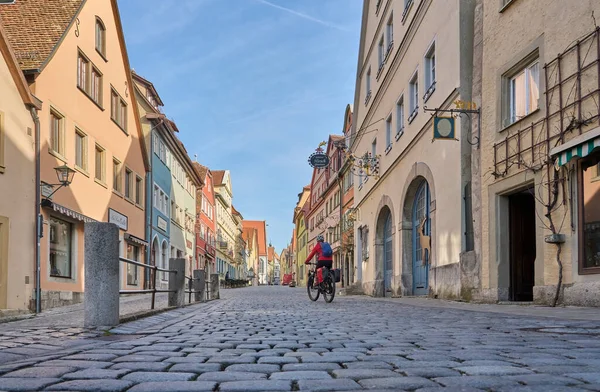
{"points": [[39, 218]]}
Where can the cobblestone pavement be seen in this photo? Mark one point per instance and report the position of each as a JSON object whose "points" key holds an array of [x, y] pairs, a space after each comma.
{"points": [[275, 339]]}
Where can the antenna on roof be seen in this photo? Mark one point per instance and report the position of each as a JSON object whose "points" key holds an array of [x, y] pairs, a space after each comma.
{"points": [[196, 157]]}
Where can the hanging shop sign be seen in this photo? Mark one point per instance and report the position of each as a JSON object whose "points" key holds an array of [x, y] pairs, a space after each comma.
{"points": [[443, 128], [318, 159], [118, 219]]}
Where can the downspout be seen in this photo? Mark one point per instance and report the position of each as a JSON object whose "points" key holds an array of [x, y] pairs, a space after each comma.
{"points": [[39, 218]]}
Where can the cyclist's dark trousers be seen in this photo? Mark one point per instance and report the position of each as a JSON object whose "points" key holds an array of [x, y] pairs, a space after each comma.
{"points": [[324, 263]]}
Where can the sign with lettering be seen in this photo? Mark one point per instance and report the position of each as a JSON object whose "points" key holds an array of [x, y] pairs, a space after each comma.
{"points": [[162, 224], [318, 160], [469, 105], [118, 219], [46, 189]]}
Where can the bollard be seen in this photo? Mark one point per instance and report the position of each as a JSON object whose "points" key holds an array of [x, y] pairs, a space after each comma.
{"points": [[101, 281], [177, 282], [214, 286], [199, 283]]}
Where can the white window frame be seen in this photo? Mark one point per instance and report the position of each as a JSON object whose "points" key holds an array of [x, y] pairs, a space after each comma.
{"points": [[430, 68], [413, 96], [400, 107], [526, 70], [389, 33], [388, 133]]}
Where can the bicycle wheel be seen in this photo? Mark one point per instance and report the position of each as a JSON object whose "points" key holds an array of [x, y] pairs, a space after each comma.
{"points": [[329, 292], [313, 294]]}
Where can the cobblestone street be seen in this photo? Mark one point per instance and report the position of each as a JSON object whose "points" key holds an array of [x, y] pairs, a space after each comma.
{"points": [[275, 339]]}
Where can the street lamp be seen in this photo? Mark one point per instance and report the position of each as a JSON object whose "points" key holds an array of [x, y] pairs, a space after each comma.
{"points": [[65, 177]]}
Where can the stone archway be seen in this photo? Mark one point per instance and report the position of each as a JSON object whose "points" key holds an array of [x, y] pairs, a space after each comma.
{"points": [[384, 248], [419, 174]]}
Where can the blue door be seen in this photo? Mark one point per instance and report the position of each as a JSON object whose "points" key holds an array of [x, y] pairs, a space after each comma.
{"points": [[421, 227], [387, 254]]}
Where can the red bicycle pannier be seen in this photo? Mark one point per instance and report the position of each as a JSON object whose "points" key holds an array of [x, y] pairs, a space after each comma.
{"points": [[319, 275]]}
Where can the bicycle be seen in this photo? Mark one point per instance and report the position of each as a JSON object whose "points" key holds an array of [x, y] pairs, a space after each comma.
{"points": [[327, 286]]}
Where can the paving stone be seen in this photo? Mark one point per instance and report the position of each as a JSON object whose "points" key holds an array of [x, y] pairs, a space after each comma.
{"points": [[301, 375], [26, 384], [310, 366], [92, 385], [91, 357], [544, 388], [368, 365], [328, 385], [278, 360], [544, 379], [158, 376], [492, 370], [76, 364], [329, 359], [429, 372], [483, 382], [195, 367], [591, 378], [8, 358], [143, 366], [95, 374], [141, 358], [396, 383], [175, 386], [186, 359], [487, 363], [363, 374], [253, 368], [454, 389], [40, 372], [253, 346], [256, 386], [231, 376]]}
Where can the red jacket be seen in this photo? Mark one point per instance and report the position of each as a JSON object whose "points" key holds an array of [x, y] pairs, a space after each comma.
{"points": [[317, 250]]}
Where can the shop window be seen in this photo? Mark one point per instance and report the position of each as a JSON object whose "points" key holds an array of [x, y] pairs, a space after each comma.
{"points": [[589, 216], [133, 253], [60, 248]]}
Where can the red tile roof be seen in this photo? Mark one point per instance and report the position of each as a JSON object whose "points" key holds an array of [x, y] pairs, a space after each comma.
{"points": [[218, 176], [248, 235], [36, 27], [261, 229], [201, 170]]}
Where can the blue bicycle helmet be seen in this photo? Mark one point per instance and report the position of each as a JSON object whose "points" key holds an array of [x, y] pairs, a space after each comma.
{"points": [[320, 238]]}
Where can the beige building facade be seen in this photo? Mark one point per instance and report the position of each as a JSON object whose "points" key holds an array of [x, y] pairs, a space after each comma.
{"points": [[17, 182], [75, 61], [538, 171], [409, 207]]}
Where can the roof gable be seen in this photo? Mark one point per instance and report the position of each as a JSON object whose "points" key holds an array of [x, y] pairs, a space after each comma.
{"points": [[261, 230], [37, 27]]}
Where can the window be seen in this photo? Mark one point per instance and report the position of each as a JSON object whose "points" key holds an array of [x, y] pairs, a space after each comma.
{"points": [[2, 167], [128, 183], [80, 150], [100, 37], [524, 92], [388, 133], [368, 85], [117, 181], [381, 53], [365, 243], [374, 148], [60, 248], [400, 117], [57, 136], [139, 190], [100, 168], [589, 216], [118, 110], [89, 79], [133, 253], [414, 96], [389, 33], [161, 200], [430, 70]]}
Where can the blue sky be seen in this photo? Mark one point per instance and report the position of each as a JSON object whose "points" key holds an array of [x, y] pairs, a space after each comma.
{"points": [[253, 85]]}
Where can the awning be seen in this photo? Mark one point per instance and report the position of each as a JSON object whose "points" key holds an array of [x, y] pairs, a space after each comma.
{"points": [[66, 211], [580, 146], [134, 240]]}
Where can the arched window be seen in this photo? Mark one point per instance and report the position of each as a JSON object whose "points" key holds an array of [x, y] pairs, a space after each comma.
{"points": [[100, 37], [164, 260]]}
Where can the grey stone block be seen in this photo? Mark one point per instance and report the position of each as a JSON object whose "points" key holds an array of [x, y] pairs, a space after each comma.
{"points": [[454, 389], [253, 368], [231, 360], [310, 366], [92, 385], [429, 372], [141, 358], [546, 388], [91, 357], [175, 386], [256, 386], [40, 372], [253, 346], [544, 379], [368, 365], [199, 285], [75, 364], [158, 376], [95, 374], [492, 370], [177, 282], [363, 374], [101, 302], [397, 383], [185, 359], [142, 366], [195, 367], [231, 376], [26, 384], [328, 385], [301, 375], [278, 360], [591, 378], [330, 359], [483, 382]]}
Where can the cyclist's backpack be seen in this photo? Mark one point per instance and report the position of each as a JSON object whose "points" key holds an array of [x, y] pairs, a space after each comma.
{"points": [[326, 248]]}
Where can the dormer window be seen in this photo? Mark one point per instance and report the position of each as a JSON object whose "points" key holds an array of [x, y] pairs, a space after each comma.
{"points": [[100, 37]]}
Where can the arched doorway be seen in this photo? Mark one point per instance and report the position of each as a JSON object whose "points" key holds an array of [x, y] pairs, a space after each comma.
{"points": [[421, 233], [154, 253], [384, 255], [164, 260]]}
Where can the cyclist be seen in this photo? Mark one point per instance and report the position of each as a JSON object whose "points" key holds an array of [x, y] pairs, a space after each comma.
{"points": [[323, 250]]}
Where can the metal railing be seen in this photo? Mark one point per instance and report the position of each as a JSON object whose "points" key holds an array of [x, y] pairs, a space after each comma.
{"points": [[153, 274]]}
